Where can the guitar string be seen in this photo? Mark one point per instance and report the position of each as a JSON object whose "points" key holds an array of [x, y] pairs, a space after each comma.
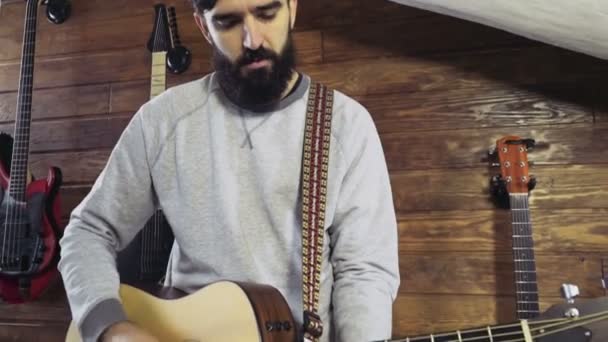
{"points": [[13, 209], [539, 329]]}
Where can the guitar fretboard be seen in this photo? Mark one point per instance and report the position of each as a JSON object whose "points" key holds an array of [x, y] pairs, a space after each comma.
{"points": [[159, 70], [526, 287], [21, 144]]}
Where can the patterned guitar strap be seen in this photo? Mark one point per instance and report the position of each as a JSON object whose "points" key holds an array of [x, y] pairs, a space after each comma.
{"points": [[315, 160]]}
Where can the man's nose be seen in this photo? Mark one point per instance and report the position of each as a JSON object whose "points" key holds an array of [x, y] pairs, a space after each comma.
{"points": [[253, 37]]}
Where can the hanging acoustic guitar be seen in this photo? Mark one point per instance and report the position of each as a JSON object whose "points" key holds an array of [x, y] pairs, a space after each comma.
{"points": [[29, 209], [514, 181], [144, 261]]}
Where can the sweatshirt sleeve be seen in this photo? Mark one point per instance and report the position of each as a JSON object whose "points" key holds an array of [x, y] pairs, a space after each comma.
{"points": [[117, 207], [363, 238]]}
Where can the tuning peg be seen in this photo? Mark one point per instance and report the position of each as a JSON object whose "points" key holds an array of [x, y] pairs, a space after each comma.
{"points": [[569, 292], [58, 11], [532, 183], [497, 186], [530, 143], [492, 151]]}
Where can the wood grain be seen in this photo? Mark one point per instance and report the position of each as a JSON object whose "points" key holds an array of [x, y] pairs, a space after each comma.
{"points": [[557, 145], [564, 187], [557, 231], [426, 35], [503, 106], [492, 273]]}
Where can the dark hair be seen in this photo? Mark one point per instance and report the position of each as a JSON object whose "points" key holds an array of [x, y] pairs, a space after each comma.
{"points": [[203, 5]]}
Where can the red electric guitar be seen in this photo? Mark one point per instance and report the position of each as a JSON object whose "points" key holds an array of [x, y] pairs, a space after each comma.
{"points": [[29, 209]]}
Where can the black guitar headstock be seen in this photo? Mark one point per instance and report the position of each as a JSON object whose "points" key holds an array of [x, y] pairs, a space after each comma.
{"points": [[160, 38]]}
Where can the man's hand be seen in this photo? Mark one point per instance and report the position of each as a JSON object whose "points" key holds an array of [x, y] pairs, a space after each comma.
{"points": [[126, 332]]}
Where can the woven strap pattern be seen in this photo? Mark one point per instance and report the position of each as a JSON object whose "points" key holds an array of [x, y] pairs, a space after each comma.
{"points": [[314, 189]]}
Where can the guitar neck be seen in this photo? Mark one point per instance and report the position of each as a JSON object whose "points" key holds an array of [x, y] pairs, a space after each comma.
{"points": [[512, 332], [526, 288], [159, 73], [19, 162]]}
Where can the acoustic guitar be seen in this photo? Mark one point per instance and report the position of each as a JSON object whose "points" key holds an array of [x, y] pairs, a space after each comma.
{"points": [[515, 183], [234, 312], [29, 209]]}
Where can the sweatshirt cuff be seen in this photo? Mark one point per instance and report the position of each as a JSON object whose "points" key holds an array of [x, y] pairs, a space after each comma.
{"points": [[102, 316]]}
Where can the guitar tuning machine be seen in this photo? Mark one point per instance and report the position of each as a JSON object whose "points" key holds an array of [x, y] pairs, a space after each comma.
{"points": [[532, 183], [569, 292], [57, 11]]}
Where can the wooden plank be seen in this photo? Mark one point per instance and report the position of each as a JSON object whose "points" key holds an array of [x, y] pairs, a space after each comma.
{"points": [[76, 167], [420, 314], [93, 26], [33, 332], [126, 65], [490, 273], [129, 96], [71, 196], [427, 35], [564, 187], [328, 13], [478, 108], [59, 102], [542, 65], [74, 134], [423, 150], [573, 231], [51, 307]]}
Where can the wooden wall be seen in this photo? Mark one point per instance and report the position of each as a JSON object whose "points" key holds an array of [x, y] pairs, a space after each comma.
{"points": [[441, 91]]}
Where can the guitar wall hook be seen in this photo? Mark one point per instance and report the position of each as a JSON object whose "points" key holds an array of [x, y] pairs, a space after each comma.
{"points": [[178, 56], [57, 11]]}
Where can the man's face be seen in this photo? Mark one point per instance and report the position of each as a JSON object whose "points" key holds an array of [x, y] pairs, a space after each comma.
{"points": [[253, 51]]}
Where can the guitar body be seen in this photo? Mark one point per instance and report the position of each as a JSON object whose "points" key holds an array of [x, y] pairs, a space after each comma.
{"points": [[220, 312], [43, 197]]}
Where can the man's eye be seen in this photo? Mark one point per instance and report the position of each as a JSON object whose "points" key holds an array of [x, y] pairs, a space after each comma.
{"points": [[268, 15], [226, 23]]}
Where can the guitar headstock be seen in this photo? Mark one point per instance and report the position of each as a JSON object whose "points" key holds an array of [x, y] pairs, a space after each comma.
{"points": [[511, 155], [160, 38], [586, 320]]}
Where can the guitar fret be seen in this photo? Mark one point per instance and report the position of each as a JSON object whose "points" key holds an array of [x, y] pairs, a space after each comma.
{"points": [[526, 330], [490, 334]]}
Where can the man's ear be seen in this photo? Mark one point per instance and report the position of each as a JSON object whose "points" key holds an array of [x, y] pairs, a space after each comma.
{"points": [[293, 7], [202, 25]]}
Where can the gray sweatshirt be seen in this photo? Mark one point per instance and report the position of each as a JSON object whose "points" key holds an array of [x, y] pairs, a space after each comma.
{"points": [[227, 180]]}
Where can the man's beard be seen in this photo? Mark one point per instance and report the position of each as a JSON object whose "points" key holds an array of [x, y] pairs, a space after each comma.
{"points": [[260, 86]]}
